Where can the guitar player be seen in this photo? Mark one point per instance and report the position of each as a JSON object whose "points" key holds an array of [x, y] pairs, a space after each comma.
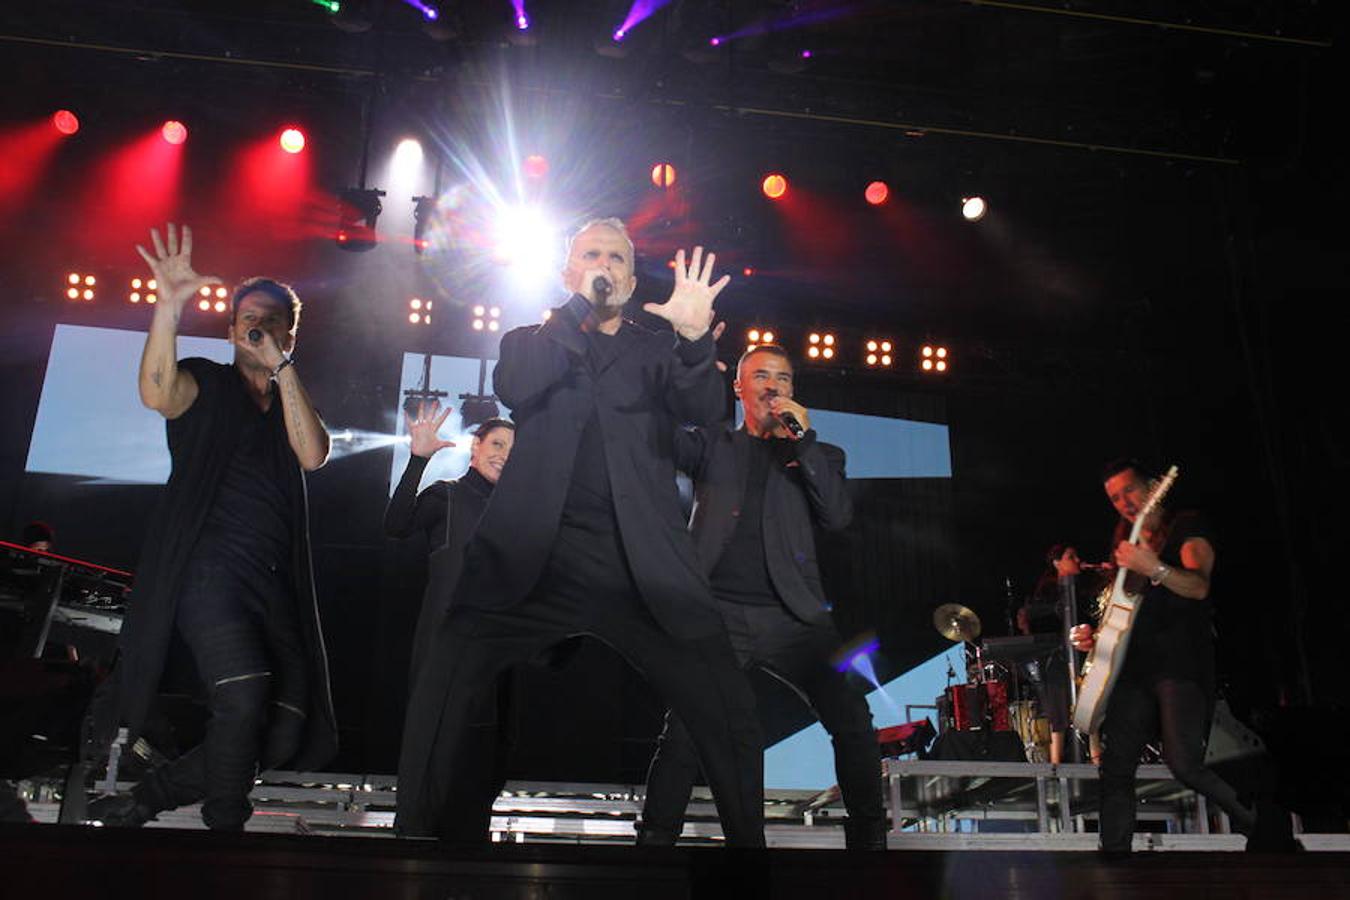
{"points": [[1167, 684]]}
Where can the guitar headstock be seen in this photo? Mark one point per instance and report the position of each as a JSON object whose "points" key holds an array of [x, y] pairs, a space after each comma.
{"points": [[1158, 493]]}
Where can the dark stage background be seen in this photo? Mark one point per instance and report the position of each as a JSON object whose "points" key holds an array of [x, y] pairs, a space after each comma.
{"points": [[1158, 276]]}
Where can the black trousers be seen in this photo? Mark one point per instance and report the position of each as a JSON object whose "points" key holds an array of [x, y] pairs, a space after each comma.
{"points": [[1179, 712], [586, 589], [798, 654], [237, 617]]}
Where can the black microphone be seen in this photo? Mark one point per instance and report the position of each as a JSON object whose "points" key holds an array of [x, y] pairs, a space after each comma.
{"points": [[791, 424], [602, 287], [254, 336]]}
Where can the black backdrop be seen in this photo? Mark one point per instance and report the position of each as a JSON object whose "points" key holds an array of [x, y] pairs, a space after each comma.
{"points": [[1177, 309]]}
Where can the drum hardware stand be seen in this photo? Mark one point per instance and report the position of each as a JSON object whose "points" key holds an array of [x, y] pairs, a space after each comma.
{"points": [[1068, 612]]}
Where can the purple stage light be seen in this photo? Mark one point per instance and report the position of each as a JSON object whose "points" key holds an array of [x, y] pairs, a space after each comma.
{"points": [[430, 13], [638, 12], [806, 54], [522, 22], [716, 42]]}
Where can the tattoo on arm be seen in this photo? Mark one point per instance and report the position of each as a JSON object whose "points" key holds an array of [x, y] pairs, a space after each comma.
{"points": [[158, 377], [293, 413]]}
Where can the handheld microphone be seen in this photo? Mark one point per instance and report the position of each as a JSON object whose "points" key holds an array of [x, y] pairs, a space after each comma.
{"points": [[602, 287], [254, 336], [791, 424]]}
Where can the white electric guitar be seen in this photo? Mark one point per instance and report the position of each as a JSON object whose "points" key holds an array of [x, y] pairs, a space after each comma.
{"points": [[1107, 656]]}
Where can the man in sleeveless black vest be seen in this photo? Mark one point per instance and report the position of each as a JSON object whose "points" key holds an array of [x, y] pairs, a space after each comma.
{"points": [[759, 493], [226, 565], [584, 535]]}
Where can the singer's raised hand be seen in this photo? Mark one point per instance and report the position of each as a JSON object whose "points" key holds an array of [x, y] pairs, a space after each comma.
{"points": [[176, 282], [423, 439], [690, 307]]}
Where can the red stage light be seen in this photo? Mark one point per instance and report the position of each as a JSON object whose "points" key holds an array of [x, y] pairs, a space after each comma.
{"points": [[66, 121], [535, 166], [174, 131], [748, 271], [877, 193], [292, 140], [663, 175], [774, 186]]}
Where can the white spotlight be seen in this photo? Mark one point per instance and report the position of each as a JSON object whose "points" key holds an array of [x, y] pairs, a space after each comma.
{"points": [[973, 208], [525, 240]]}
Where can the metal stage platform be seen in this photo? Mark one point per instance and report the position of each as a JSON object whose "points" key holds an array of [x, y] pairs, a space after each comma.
{"points": [[948, 805]]}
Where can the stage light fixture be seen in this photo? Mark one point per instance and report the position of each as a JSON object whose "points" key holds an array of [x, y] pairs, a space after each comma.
{"points": [[878, 353], [65, 122], [535, 166], [333, 6], [774, 186], [424, 217], [80, 286], [429, 12], [174, 132], [820, 345], [748, 271], [489, 318], [204, 305], [877, 193], [934, 358], [548, 314], [292, 140], [419, 311], [973, 208], [358, 208], [663, 175], [756, 336]]}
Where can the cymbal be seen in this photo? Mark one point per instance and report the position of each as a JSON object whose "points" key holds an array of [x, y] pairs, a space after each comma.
{"points": [[956, 622]]}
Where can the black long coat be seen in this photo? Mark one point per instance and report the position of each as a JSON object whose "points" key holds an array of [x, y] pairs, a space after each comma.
{"points": [[201, 443], [655, 383]]}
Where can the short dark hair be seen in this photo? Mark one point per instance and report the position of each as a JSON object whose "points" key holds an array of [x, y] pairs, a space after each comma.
{"points": [[278, 291], [487, 426], [35, 532], [771, 349], [1056, 553], [1124, 463]]}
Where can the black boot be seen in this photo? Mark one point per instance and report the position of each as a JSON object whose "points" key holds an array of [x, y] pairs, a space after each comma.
{"points": [[120, 811], [655, 837], [1273, 832], [865, 834]]}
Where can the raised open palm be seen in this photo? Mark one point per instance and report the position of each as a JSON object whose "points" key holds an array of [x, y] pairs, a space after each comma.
{"points": [[177, 281], [690, 307]]}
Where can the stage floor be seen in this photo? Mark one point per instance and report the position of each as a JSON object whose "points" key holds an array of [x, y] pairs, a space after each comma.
{"points": [[75, 861]]}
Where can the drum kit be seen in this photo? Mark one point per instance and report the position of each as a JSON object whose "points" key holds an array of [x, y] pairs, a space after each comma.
{"points": [[995, 696]]}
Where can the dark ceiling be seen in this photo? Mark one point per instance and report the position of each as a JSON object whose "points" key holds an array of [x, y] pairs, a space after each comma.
{"points": [[1120, 141]]}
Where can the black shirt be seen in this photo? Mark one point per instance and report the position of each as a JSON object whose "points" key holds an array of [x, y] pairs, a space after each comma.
{"points": [[742, 574], [590, 503], [251, 510], [1173, 636]]}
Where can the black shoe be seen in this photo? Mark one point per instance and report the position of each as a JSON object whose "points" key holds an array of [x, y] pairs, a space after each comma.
{"points": [[1273, 831], [655, 837], [120, 811], [865, 834]]}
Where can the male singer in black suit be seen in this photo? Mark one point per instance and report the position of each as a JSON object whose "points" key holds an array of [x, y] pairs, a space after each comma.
{"points": [[584, 534], [758, 493]]}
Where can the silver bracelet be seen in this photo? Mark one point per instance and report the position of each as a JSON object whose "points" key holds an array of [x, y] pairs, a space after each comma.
{"points": [[1160, 573], [288, 361]]}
